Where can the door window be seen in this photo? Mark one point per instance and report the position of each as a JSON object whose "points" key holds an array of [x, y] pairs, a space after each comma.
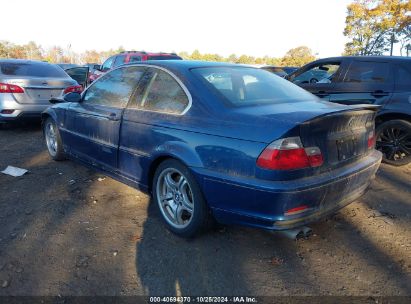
{"points": [[403, 75], [114, 88], [322, 73], [368, 72], [161, 93], [107, 64]]}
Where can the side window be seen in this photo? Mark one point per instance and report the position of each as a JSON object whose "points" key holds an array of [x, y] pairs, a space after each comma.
{"points": [[368, 72], [120, 59], [134, 58], [107, 64], [403, 76], [162, 93], [322, 73], [114, 89]]}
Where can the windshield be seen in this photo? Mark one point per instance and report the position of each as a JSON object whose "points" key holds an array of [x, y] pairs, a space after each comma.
{"points": [[243, 86], [38, 69]]}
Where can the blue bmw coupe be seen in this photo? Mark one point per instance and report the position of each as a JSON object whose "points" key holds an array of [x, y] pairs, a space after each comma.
{"points": [[218, 141]]}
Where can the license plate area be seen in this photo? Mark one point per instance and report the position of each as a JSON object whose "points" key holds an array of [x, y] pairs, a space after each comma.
{"points": [[44, 93], [347, 148]]}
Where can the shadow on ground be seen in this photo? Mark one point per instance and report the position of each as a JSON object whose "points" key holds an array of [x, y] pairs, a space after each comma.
{"points": [[65, 229]]}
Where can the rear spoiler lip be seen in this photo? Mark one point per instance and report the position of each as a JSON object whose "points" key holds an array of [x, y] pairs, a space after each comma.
{"points": [[351, 108]]}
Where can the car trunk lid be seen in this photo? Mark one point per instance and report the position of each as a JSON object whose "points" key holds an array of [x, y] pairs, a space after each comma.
{"points": [[343, 137], [40, 90]]}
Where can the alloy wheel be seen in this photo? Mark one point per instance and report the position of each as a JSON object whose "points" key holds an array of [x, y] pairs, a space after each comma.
{"points": [[394, 143], [175, 198]]}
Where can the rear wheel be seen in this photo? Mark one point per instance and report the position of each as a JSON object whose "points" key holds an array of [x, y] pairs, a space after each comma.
{"points": [[179, 198], [53, 139], [394, 141]]}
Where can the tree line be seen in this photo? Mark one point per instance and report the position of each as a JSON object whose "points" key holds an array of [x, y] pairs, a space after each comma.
{"points": [[294, 57]]}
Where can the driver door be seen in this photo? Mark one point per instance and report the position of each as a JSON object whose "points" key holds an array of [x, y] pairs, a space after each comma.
{"points": [[79, 74], [320, 78], [93, 125]]}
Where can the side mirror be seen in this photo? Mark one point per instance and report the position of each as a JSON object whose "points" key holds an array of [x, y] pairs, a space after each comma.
{"points": [[97, 67], [72, 97], [69, 97]]}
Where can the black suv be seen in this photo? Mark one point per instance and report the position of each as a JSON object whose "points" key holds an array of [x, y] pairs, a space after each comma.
{"points": [[382, 80]]}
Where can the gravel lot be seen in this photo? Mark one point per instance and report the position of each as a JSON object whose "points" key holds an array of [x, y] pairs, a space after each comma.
{"points": [[67, 230]]}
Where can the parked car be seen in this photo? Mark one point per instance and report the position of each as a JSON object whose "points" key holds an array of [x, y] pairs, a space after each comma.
{"points": [[26, 87], [66, 66], [127, 58], [379, 80], [218, 140], [79, 73], [289, 70], [279, 71]]}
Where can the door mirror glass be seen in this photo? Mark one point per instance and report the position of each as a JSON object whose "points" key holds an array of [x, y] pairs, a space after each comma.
{"points": [[72, 97]]}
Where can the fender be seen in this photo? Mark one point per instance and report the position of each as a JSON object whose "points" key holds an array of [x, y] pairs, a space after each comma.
{"points": [[180, 151]]}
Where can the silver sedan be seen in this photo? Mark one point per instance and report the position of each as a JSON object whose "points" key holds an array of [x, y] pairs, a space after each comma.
{"points": [[27, 86]]}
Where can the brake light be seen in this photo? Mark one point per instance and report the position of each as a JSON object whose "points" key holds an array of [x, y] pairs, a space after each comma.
{"points": [[289, 154], [75, 88], [10, 88], [371, 140]]}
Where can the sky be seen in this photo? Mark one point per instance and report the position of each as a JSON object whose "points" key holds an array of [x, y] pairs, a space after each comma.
{"points": [[252, 27]]}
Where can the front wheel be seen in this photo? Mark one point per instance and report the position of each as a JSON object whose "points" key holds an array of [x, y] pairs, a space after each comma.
{"points": [[53, 139], [394, 141], [179, 198]]}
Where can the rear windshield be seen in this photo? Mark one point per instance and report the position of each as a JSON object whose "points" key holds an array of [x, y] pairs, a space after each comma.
{"points": [[164, 57], [37, 69], [243, 86]]}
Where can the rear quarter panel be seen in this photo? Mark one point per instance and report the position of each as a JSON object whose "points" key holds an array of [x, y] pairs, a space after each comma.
{"points": [[148, 136]]}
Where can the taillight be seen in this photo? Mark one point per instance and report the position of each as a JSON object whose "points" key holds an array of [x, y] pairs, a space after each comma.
{"points": [[289, 154], [10, 88], [371, 140], [75, 88]]}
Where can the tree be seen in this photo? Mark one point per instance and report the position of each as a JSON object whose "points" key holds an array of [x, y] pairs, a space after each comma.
{"points": [[232, 58], [394, 19], [196, 55], [91, 57], [374, 26], [54, 54], [4, 49], [33, 51], [298, 56]]}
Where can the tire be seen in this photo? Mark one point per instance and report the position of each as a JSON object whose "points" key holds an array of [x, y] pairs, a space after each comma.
{"points": [[394, 141], [175, 191], [53, 140]]}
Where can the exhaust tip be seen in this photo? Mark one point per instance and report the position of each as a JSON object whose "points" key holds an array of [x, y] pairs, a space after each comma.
{"points": [[296, 234]]}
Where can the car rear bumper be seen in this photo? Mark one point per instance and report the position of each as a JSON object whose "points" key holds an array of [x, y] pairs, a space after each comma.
{"points": [[263, 204], [21, 111]]}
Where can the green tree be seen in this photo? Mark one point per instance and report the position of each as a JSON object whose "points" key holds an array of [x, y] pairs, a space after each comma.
{"points": [[374, 26], [33, 51], [298, 56]]}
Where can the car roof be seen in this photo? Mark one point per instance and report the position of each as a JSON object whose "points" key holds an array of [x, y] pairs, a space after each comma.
{"points": [[22, 61], [188, 64], [367, 58]]}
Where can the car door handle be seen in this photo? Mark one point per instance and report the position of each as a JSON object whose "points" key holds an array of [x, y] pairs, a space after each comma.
{"points": [[321, 94], [113, 116], [379, 93]]}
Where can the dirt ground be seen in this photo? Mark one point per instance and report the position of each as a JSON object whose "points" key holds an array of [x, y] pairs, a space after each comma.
{"points": [[66, 230]]}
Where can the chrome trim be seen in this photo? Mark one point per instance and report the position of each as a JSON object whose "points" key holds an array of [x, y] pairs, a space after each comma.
{"points": [[186, 91]]}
